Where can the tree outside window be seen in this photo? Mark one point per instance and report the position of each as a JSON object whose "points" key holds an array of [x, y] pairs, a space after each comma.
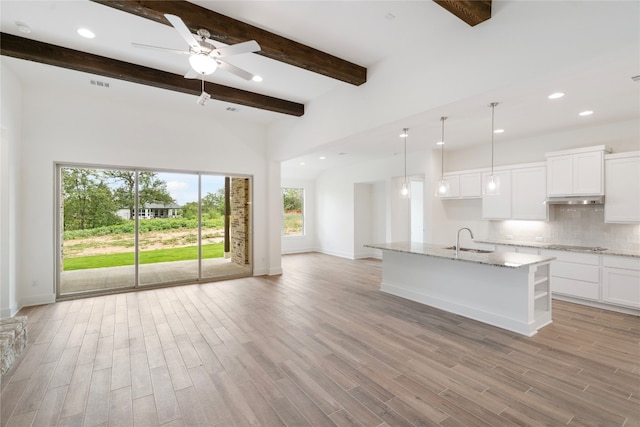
{"points": [[293, 215]]}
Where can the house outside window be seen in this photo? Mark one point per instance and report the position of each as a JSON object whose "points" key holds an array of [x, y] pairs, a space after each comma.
{"points": [[293, 212]]}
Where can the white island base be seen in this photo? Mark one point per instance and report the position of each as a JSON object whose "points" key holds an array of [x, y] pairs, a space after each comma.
{"points": [[512, 298]]}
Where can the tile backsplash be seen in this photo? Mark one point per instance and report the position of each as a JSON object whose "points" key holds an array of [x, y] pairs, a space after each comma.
{"points": [[570, 225]]}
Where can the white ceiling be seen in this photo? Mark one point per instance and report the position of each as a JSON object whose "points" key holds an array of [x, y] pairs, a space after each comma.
{"points": [[364, 32]]}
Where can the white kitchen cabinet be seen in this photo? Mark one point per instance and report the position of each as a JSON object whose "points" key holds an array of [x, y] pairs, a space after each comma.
{"points": [[454, 187], [464, 185], [497, 206], [471, 185], [578, 172], [621, 281], [529, 191], [575, 274], [622, 184]]}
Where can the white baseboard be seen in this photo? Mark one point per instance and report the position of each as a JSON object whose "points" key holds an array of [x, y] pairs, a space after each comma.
{"points": [[37, 300]]}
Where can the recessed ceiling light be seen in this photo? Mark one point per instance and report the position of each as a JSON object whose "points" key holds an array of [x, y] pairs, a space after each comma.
{"points": [[24, 28], [301, 163], [322, 157], [586, 113], [86, 33], [440, 143], [257, 78], [556, 95], [498, 131]]}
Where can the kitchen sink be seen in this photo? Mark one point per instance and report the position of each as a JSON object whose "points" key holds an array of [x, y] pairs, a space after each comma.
{"points": [[477, 251]]}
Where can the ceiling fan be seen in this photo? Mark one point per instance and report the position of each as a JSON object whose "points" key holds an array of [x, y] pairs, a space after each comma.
{"points": [[204, 56]]}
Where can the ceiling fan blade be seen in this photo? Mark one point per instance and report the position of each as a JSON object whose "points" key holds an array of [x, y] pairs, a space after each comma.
{"points": [[236, 49], [184, 31], [234, 70], [165, 49], [192, 74]]}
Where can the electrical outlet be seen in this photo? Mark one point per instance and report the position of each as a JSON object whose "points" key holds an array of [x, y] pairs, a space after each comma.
{"points": [[539, 239], [510, 236]]}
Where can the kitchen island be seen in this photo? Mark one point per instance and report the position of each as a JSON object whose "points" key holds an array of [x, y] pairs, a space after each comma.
{"points": [[504, 289]]}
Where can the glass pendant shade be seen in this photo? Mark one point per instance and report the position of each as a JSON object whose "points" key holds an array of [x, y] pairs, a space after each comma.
{"points": [[442, 188], [203, 64], [404, 190], [493, 186]]}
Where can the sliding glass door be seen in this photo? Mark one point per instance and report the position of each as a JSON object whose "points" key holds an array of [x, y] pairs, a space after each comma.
{"points": [[125, 228]]}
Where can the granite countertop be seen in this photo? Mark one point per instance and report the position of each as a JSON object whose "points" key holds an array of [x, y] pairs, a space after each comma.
{"points": [[550, 246], [499, 259]]}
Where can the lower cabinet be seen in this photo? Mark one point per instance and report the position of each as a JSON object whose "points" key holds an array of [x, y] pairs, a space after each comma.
{"points": [[575, 274], [621, 281]]}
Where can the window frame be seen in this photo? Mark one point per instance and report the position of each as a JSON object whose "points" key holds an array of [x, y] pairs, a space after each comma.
{"points": [[302, 213]]}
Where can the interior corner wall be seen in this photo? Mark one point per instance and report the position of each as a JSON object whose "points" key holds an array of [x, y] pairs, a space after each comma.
{"points": [[105, 131], [10, 129], [362, 219], [307, 242], [337, 199]]}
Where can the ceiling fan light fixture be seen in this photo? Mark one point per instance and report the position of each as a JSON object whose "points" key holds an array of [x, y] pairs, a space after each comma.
{"points": [[203, 64]]}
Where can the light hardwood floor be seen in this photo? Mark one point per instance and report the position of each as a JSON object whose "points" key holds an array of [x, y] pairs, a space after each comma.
{"points": [[319, 345]]}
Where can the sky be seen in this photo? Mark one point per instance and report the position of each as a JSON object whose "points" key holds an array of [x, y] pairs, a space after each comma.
{"points": [[184, 187]]}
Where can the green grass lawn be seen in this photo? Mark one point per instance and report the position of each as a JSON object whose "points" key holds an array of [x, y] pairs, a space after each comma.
{"points": [[215, 250]]}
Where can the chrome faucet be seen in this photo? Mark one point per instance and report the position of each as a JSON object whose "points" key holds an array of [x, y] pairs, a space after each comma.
{"points": [[458, 238]]}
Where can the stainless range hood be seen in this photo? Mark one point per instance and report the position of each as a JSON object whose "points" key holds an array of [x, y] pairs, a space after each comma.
{"points": [[575, 200]]}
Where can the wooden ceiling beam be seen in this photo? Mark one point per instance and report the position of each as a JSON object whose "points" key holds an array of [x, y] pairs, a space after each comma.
{"points": [[472, 12], [230, 31], [31, 50]]}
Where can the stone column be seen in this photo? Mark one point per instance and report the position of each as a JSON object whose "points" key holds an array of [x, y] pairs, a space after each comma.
{"points": [[240, 214]]}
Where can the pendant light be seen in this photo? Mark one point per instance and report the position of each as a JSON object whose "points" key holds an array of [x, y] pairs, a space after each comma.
{"points": [[404, 190], [442, 186], [492, 187]]}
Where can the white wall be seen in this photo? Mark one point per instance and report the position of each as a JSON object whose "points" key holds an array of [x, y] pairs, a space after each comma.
{"points": [[362, 218], [376, 183], [306, 243], [10, 140], [87, 130], [620, 137]]}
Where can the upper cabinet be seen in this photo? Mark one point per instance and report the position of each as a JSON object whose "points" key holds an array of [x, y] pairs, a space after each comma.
{"points": [[497, 206], [578, 172], [464, 185], [622, 183], [529, 191], [523, 191]]}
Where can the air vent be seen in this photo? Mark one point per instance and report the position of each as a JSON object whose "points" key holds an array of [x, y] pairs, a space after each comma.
{"points": [[233, 109], [99, 83]]}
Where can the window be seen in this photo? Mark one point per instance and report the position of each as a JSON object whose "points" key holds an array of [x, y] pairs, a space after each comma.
{"points": [[293, 212]]}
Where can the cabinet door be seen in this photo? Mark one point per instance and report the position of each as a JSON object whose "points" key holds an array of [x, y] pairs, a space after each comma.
{"points": [[454, 187], [560, 175], [622, 183], [621, 287], [587, 173], [471, 185], [497, 206], [529, 191]]}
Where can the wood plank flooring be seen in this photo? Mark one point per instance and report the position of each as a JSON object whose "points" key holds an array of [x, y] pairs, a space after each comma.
{"points": [[319, 345]]}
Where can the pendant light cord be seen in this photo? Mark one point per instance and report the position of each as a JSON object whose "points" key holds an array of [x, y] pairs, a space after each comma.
{"points": [[406, 134], [493, 108], [442, 150]]}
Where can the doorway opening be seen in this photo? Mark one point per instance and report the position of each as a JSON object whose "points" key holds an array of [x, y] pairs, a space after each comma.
{"points": [[122, 229]]}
